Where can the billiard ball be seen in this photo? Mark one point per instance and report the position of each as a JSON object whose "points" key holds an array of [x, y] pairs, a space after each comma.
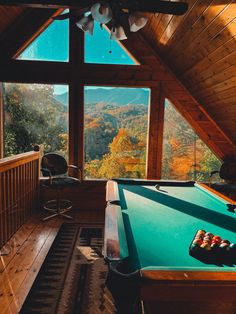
{"points": [[232, 247], [206, 238], [209, 234], [206, 246], [201, 232], [157, 186], [214, 245], [224, 246], [225, 241], [194, 247], [197, 241], [216, 239]]}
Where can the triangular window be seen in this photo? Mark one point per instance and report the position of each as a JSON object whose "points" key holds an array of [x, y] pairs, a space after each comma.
{"points": [[51, 45], [185, 155], [100, 49]]}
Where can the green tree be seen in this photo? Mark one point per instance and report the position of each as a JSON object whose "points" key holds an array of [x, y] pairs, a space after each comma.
{"points": [[122, 143], [32, 115], [111, 167], [91, 168]]}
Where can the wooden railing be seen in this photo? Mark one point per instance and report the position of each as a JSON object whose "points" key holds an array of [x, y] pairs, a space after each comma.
{"points": [[19, 186]]}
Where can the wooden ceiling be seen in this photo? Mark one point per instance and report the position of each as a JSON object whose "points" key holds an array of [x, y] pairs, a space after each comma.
{"points": [[199, 48], [8, 15]]}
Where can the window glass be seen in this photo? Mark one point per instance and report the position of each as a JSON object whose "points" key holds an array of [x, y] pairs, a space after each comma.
{"points": [[185, 155], [116, 128], [100, 49], [51, 45], [35, 114]]}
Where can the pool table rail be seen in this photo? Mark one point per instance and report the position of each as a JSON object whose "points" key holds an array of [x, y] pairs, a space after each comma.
{"points": [[215, 193], [112, 191], [115, 243], [167, 285]]}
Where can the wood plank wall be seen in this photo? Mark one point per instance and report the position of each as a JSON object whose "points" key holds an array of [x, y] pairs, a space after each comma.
{"points": [[89, 195], [19, 186]]}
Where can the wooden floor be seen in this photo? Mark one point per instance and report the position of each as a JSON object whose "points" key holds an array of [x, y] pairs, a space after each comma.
{"points": [[28, 249]]}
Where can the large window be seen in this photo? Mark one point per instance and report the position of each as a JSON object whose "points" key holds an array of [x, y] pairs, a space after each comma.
{"points": [[116, 128], [185, 156], [35, 114]]}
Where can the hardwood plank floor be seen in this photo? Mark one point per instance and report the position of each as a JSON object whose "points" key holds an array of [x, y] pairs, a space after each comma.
{"points": [[28, 249]]}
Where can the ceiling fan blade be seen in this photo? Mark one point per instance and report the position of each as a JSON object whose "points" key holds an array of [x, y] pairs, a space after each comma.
{"points": [[155, 6], [51, 4]]}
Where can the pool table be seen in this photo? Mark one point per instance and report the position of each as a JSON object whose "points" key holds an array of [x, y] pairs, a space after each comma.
{"points": [[148, 232]]}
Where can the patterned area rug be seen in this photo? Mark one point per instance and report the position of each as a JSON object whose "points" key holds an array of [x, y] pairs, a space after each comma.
{"points": [[72, 277]]}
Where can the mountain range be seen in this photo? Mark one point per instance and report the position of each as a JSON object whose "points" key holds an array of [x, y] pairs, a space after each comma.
{"points": [[118, 95]]}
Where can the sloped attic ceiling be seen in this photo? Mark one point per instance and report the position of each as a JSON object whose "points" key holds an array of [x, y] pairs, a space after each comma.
{"points": [[199, 47]]}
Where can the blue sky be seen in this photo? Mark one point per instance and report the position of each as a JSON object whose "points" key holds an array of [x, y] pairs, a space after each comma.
{"points": [[53, 45]]}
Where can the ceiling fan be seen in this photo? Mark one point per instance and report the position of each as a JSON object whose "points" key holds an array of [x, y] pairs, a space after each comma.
{"points": [[122, 16]]}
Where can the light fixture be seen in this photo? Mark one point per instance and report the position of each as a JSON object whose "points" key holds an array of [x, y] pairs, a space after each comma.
{"points": [[101, 13], [121, 22], [136, 21], [118, 33], [86, 23]]}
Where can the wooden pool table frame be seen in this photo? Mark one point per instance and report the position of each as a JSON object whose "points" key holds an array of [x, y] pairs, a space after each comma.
{"points": [[166, 285]]}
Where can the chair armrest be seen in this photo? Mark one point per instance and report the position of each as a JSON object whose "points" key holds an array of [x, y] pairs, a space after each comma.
{"points": [[78, 170], [211, 175], [73, 166], [48, 172], [214, 172]]}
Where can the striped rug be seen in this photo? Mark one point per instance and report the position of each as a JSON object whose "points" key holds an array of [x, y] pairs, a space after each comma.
{"points": [[72, 277]]}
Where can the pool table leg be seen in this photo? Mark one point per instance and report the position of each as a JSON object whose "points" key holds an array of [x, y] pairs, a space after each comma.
{"points": [[125, 289]]}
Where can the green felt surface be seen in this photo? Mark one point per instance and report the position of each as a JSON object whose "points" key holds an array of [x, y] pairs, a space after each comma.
{"points": [[160, 225]]}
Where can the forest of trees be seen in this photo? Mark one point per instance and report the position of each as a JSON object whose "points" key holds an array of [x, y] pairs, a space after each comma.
{"points": [[185, 156], [115, 132], [115, 140]]}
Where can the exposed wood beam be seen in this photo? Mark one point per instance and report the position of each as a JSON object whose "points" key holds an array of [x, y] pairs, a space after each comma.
{"points": [[155, 139], [177, 8], [90, 74], [76, 125], [76, 42], [46, 3]]}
